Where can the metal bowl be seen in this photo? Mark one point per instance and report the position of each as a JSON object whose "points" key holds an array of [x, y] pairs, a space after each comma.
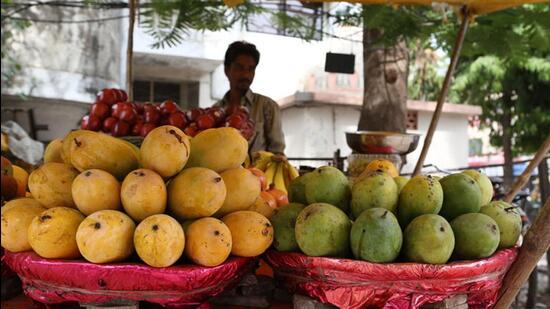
{"points": [[380, 142]]}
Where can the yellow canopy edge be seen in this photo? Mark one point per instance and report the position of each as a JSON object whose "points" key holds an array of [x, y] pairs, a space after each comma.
{"points": [[477, 7]]}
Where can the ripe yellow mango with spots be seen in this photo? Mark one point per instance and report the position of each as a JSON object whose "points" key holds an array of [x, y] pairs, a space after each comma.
{"points": [[52, 234], [208, 242], [50, 184], [106, 236], [159, 240], [252, 233], [17, 215]]}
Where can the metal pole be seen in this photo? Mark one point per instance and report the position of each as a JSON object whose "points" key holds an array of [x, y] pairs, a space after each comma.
{"points": [[444, 90], [130, 51]]}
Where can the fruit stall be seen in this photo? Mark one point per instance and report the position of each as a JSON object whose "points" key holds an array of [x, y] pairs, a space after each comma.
{"points": [[150, 203], [174, 223]]}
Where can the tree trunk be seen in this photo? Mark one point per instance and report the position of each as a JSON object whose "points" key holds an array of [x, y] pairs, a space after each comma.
{"points": [[385, 72], [544, 195], [507, 141]]}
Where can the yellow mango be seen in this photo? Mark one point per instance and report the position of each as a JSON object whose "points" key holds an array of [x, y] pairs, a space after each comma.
{"points": [[92, 150], [218, 149], [143, 194], [17, 215], [50, 184], [251, 232], [195, 193], [208, 242], [159, 240], [165, 150], [53, 151], [95, 190], [52, 234], [106, 236], [243, 188]]}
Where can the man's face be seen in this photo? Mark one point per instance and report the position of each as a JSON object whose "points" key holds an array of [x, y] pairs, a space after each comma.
{"points": [[241, 73]]}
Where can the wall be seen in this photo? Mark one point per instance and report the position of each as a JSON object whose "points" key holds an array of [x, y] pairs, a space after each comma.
{"points": [[449, 147], [64, 66], [70, 61], [318, 131], [58, 116]]}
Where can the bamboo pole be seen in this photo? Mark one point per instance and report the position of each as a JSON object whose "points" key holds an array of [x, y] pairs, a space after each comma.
{"points": [[444, 90], [130, 51], [524, 178], [535, 244], [537, 239]]}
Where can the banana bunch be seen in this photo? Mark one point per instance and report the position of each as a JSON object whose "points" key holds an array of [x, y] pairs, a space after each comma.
{"points": [[278, 171]]}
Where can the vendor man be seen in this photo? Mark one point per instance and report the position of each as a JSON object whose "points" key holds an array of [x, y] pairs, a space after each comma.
{"points": [[241, 59]]}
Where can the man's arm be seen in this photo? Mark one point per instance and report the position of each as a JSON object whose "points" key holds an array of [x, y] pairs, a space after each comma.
{"points": [[275, 138]]}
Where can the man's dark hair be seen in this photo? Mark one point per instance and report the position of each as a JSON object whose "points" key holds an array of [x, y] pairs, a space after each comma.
{"points": [[241, 48]]}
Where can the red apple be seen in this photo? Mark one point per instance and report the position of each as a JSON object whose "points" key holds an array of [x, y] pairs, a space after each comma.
{"points": [[178, 120], [205, 121], [193, 114], [218, 113], [121, 95], [94, 123], [100, 110], [191, 130], [167, 107], [121, 128], [129, 115], [124, 95], [151, 116], [84, 122], [118, 94], [236, 121], [247, 129], [150, 106], [246, 133], [136, 129], [146, 128], [118, 107], [107, 96], [139, 107], [109, 124]]}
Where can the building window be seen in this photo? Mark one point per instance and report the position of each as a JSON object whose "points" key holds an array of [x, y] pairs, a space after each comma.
{"points": [[475, 147], [320, 82], [186, 94], [310, 14], [412, 120], [342, 80]]}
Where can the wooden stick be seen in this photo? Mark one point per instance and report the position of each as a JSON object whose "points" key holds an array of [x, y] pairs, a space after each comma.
{"points": [[535, 244], [130, 52], [524, 178], [444, 90]]}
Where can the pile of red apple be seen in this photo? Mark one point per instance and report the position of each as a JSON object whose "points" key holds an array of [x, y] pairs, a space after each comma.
{"points": [[112, 114]]}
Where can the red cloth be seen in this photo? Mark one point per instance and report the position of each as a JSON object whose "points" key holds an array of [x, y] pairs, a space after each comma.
{"points": [[352, 284], [58, 281]]}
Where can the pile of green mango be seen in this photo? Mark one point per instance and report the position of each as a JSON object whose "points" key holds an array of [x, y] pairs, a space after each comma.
{"points": [[382, 219]]}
